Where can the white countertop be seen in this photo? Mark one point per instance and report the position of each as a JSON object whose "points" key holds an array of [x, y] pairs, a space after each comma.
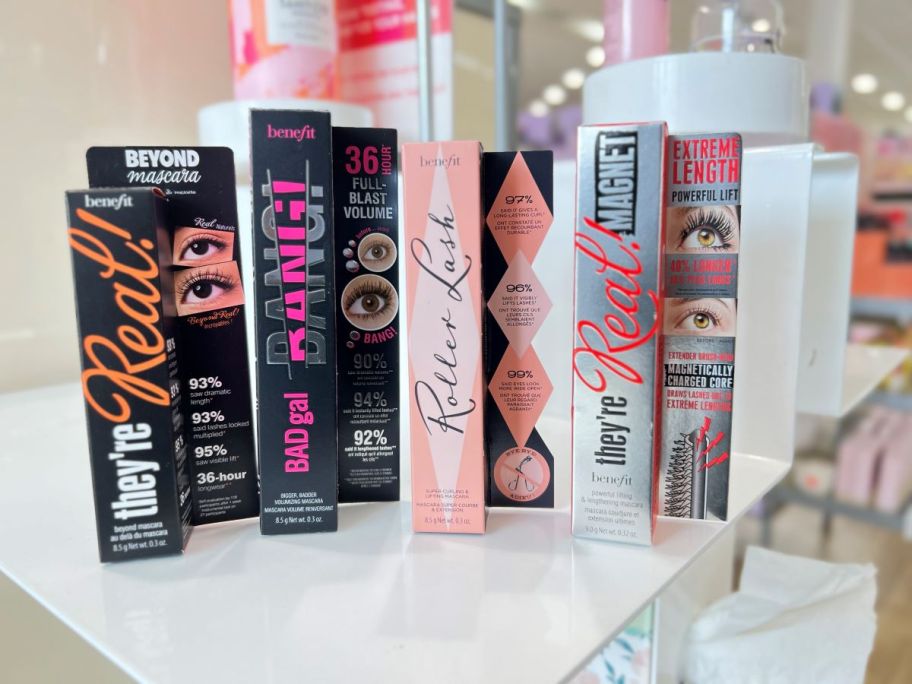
{"points": [[525, 602]]}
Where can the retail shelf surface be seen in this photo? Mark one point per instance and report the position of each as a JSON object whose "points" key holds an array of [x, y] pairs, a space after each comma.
{"points": [[524, 602], [865, 367]]}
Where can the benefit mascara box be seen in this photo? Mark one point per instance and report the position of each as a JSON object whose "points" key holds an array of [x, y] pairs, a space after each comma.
{"points": [[518, 212], [209, 295], [617, 345], [446, 387], [291, 168], [366, 188], [703, 238], [128, 348]]}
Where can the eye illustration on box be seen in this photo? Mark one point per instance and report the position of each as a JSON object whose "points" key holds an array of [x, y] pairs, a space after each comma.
{"points": [[370, 302], [198, 246], [703, 229], [377, 252], [707, 317], [208, 287]]}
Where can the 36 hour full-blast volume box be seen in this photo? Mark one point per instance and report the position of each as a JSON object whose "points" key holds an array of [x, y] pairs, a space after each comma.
{"points": [[518, 212], [703, 239], [367, 285], [443, 282], [199, 183], [616, 345], [127, 323], [291, 168]]}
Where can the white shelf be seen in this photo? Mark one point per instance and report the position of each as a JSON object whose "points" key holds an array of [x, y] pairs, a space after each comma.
{"points": [[525, 602], [827, 283], [865, 367]]}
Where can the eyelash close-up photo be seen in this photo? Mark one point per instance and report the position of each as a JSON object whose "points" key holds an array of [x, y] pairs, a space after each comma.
{"points": [[207, 288], [377, 252], [198, 246], [711, 228], [370, 302]]}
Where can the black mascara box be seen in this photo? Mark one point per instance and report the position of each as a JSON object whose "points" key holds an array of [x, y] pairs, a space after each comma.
{"points": [[517, 192], [128, 348], [205, 251], [365, 189], [291, 168]]}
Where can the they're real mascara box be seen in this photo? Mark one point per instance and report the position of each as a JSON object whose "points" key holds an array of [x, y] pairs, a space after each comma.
{"points": [[616, 328], [291, 168], [128, 349], [199, 183]]}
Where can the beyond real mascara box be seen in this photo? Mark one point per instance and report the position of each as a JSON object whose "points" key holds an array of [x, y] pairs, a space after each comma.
{"points": [[445, 388], [518, 212], [128, 348], [617, 345], [291, 168], [703, 239], [366, 192], [209, 295]]}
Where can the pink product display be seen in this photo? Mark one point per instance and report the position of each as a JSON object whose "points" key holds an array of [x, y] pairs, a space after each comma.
{"points": [[283, 49], [635, 29], [894, 480], [378, 62], [860, 454]]}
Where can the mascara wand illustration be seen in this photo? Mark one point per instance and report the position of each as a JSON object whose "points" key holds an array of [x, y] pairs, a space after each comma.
{"points": [[685, 481]]}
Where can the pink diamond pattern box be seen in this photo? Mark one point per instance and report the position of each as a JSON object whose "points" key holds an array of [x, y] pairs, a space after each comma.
{"points": [[617, 346], [443, 284], [518, 215]]}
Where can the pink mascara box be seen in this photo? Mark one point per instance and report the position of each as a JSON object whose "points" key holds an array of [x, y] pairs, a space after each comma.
{"points": [[442, 247]]}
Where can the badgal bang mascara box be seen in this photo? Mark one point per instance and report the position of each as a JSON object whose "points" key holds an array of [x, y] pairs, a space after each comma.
{"points": [[703, 238], [291, 168], [443, 282], [128, 347], [616, 346], [209, 295]]}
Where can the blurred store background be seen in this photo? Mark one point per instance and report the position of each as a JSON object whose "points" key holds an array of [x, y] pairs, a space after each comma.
{"points": [[118, 71]]}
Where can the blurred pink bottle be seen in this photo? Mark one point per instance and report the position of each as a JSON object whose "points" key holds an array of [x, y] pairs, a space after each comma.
{"points": [[859, 455], [894, 481], [635, 29], [283, 49]]}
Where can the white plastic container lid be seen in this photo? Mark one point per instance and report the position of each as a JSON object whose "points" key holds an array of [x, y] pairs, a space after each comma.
{"points": [[762, 96]]}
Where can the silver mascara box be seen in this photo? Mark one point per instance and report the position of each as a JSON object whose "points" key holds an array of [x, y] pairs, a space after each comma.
{"points": [[617, 342]]}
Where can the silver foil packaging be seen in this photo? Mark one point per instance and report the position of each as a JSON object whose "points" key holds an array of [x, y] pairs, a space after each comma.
{"points": [[617, 346]]}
